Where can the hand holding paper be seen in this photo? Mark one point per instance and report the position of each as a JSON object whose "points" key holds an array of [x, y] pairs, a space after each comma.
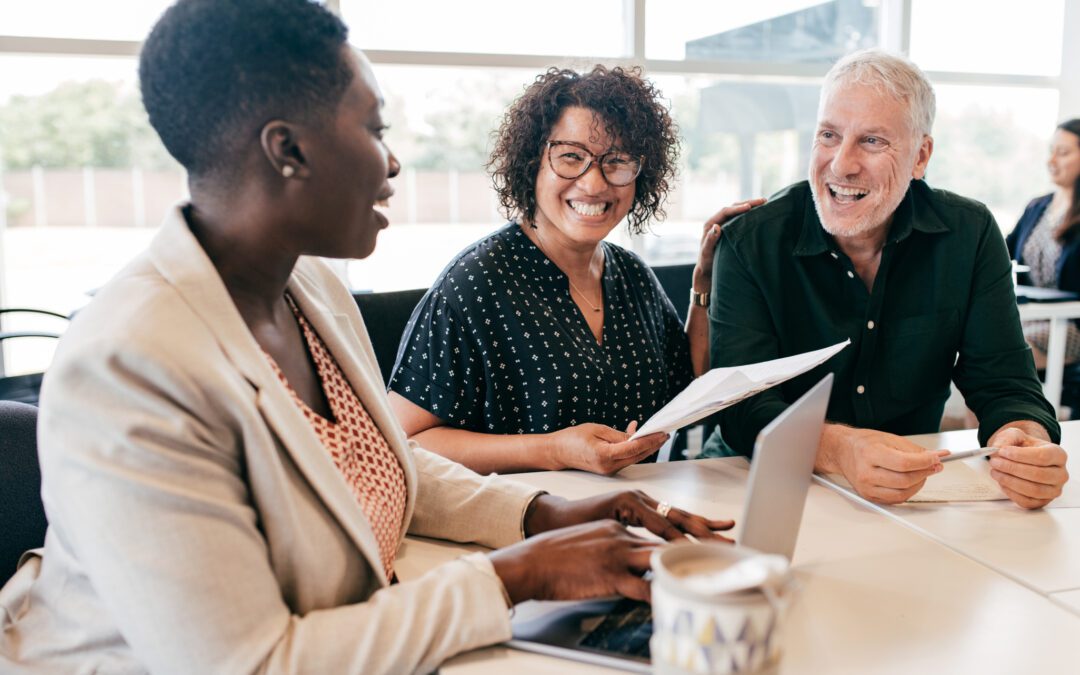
{"points": [[723, 387]]}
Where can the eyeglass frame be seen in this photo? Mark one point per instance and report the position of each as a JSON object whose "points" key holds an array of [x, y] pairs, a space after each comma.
{"points": [[594, 158]]}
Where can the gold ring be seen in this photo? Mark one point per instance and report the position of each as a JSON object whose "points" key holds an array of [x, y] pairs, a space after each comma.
{"points": [[663, 508]]}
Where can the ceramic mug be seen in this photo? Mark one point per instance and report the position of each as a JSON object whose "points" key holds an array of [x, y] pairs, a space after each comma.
{"points": [[732, 628]]}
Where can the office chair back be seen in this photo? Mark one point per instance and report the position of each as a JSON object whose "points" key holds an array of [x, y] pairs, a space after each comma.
{"points": [[24, 387], [385, 315], [22, 516]]}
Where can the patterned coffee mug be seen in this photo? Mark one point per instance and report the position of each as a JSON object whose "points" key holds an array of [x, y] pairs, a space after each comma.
{"points": [[736, 630]]}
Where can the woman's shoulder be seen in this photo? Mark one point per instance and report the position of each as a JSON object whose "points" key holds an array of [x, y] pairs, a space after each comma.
{"points": [[1039, 203], [631, 265], [483, 263]]}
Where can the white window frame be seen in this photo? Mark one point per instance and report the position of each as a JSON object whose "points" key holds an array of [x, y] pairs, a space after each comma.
{"points": [[894, 34]]}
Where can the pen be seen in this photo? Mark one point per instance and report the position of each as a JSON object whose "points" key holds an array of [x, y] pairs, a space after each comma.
{"points": [[964, 454]]}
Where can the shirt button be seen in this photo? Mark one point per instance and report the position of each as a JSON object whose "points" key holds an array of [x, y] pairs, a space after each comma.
{"points": [[869, 325], [833, 254], [851, 275], [861, 389]]}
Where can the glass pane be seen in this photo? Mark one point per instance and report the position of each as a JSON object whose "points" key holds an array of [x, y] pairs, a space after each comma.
{"points": [[101, 19], [559, 27], [1009, 40], [83, 183], [441, 120], [990, 144], [741, 139], [800, 31]]}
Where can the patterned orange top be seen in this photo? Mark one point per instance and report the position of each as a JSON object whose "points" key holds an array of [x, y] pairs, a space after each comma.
{"points": [[358, 448]]}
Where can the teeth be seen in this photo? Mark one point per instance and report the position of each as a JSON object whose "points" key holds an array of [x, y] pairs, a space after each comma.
{"points": [[588, 209], [849, 192]]}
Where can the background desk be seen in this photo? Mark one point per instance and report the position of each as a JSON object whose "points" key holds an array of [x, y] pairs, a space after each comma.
{"points": [[877, 594], [1059, 314]]}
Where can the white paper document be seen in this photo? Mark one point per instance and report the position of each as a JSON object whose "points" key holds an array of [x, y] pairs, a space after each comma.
{"points": [[723, 387], [960, 481]]}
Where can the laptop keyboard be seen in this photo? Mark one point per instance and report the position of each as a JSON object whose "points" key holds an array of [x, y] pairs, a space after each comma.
{"points": [[626, 630]]}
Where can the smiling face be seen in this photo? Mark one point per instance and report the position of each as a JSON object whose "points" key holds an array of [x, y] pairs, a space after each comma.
{"points": [[1064, 164], [579, 211], [350, 171], [864, 156]]}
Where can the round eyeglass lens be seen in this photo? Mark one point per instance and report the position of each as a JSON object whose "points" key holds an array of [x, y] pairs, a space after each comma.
{"points": [[570, 161], [620, 168]]}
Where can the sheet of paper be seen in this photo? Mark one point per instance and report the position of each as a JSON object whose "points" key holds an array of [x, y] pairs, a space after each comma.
{"points": [[723, 387], [959, 482]]}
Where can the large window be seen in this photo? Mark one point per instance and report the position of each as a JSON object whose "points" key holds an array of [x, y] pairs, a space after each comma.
{"points": [[84, 181]]}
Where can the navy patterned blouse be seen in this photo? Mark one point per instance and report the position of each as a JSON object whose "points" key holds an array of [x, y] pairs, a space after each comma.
{"points": [[498, 345]]}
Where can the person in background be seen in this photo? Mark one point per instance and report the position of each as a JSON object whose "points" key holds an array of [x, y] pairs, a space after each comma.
{"points": [[225, 482], [542, 346], [917, 278], [1047, 238]]}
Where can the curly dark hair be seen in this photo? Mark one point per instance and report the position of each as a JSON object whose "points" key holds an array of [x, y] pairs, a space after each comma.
{"points": [[213, 72], [631, 110]]}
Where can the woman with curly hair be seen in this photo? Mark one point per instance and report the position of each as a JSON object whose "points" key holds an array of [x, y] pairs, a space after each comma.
{"points": [[544, 331], [226, 486]]}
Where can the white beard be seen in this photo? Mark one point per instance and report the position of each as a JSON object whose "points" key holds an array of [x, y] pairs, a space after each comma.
{"points": [[868, 222]]}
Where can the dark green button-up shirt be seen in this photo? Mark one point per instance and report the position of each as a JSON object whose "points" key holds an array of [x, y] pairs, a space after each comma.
{"points": [[942, 307]]}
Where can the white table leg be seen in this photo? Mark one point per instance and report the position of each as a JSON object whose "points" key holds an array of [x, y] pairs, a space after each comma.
{"points": [[1055, 360]]}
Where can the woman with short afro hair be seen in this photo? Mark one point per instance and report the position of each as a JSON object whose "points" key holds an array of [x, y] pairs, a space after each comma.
{"points": [[226, 485], [542, 346]]}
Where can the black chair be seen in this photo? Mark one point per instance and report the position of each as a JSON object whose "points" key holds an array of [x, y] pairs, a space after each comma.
{"points": [[24, 387], [676, 280], [385, 315], [22, 516]]}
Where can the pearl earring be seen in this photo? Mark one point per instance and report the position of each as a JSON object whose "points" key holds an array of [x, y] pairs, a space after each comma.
{"points": [[287, 171]]}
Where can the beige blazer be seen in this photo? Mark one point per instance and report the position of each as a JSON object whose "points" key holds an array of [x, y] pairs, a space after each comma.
{"points": [[197, 525]]}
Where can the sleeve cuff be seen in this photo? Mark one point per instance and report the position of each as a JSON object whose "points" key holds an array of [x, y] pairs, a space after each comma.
{"points": [[482, 564], [525, 511]]}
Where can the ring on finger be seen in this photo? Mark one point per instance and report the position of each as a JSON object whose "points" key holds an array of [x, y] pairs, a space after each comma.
{"points": [[663, 508]]}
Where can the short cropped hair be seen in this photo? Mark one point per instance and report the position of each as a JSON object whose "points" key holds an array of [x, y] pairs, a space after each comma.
{"points": [[891, 74], [631, 110], [213, 72]]}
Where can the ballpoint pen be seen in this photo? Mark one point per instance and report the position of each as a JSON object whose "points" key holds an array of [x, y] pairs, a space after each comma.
{"points": [[964, 454]]}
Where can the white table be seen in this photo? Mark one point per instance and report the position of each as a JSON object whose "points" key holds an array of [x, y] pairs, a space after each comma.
{"points": [[1039, 550], [877, 595], [1059, 314]]}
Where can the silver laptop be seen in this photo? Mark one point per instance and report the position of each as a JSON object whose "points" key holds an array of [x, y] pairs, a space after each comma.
{"points": [[615, 633]]}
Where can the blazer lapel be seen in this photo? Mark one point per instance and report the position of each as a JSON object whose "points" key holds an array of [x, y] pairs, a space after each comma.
{"points": [[184, 264], [343, 333]]}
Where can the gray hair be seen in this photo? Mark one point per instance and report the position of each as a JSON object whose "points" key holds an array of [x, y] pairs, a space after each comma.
{"points": [[891, 74]]}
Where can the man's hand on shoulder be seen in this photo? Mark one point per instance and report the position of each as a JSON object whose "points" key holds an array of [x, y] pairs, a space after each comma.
{"points": [[882, 467], [1029, 467]]}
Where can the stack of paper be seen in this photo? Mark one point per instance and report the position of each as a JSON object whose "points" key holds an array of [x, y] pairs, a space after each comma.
{"points": [[961, 481], [723, 387]]}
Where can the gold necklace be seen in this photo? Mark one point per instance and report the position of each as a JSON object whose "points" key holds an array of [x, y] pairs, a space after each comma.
{"points": [[584, 297]]}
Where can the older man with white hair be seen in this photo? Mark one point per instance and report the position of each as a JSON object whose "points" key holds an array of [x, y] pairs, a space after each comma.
{"points": [[918, 278]]}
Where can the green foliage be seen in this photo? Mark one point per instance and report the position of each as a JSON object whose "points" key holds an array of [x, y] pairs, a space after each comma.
{"points": [[91, 123], [458, 134]]}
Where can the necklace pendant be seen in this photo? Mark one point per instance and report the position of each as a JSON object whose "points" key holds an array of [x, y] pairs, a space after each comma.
{"points": [[596, 309]]}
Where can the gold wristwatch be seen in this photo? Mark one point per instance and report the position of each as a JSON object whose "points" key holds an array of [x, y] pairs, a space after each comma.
{"points": [[699, 299]]}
